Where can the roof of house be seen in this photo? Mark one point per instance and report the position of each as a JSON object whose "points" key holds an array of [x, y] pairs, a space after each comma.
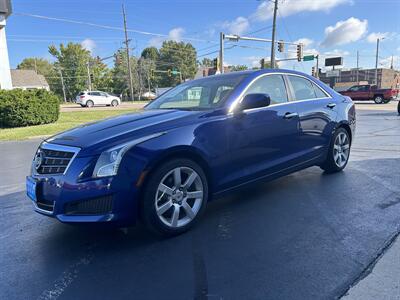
{"points": [[27, 78]]}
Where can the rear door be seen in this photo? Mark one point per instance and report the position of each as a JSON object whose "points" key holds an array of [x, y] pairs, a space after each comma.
{"points": [[317, 115]]}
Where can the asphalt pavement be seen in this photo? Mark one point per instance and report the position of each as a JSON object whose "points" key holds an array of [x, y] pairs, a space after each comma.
{"points": [[305, 236]]}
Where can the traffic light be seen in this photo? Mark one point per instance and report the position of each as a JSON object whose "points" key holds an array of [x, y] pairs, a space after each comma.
{"points": [[91, 77], [216, 63], [152, 73], [118, 58], [262, 63], [299, 52], [313, 72], [281, 46], [169, 72]]}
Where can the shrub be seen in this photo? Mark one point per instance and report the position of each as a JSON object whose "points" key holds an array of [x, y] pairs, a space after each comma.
{"points": [[24, 108]]}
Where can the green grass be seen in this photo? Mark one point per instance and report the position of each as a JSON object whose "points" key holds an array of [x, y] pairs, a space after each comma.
{"points": [[66, 121]]}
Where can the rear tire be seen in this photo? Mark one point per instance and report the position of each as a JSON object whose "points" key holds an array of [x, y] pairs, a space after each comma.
{"points": [[89, 103], [114, 103], [378, 99], [174, 197], [398, 107], [338, 152]]}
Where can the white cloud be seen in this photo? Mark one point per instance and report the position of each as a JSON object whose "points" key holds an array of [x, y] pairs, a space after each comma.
{"points": [[386, 62], [88, 44], [305, 41], [344, 32], [372, 37], [237, 26], [175, 34], [290, 7], [337, 52]]}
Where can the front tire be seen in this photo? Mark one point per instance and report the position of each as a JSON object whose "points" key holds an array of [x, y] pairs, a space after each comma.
{"points": [[338, 152], [174, 197], [114, 103], [378, 99]]}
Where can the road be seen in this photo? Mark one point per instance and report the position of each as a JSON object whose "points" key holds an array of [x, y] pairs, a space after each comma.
{"points": [[305, 236]]}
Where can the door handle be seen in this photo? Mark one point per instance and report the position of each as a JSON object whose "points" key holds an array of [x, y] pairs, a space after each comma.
{"points": [[290, 115], [331, 105]]}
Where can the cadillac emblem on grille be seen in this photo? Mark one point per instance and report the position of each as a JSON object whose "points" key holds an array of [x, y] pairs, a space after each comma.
{"points": [[39, 159]]}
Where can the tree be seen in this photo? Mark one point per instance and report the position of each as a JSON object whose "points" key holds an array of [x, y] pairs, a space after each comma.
{"points": [[207, 62], [72, 60], [177, 56], [239, 68], [102, 75], [120, 73], [151, 53]]}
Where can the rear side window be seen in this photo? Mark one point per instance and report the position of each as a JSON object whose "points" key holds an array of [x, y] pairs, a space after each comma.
{"points": [[318, 91], [81, 93], [273, 85], [302, 88]]}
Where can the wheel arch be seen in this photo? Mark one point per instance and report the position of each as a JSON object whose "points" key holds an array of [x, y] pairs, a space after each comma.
{"points": [[347, 128], [179, 152]]}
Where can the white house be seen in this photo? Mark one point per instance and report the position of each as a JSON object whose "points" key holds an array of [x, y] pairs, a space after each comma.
{"points": [[5, 74], [28, 80]]}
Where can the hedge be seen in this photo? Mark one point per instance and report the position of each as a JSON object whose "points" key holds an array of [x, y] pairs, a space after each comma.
{"points": [[24, 108]]}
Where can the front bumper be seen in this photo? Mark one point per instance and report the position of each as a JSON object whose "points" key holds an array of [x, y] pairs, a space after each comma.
{"points": [[104, 200]]}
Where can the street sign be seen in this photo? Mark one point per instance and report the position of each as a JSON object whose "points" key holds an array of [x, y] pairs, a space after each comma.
{"points": [[308, 57], [332, 73], [333, 61]]}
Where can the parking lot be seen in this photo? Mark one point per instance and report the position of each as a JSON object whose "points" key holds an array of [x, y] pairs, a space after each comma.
{"points": [[305, 236]]}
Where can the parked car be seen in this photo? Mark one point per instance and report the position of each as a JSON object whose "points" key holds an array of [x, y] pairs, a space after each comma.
{"points": [[200, 139], [92, 98], [149, 96], [371, 92]]}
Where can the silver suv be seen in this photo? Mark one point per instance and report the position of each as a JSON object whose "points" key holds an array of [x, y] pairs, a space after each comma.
{"points": [[92, 98]]}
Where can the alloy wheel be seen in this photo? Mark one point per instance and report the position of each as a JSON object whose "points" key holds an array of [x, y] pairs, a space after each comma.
{"points": [[179, 197], [341, 149]]}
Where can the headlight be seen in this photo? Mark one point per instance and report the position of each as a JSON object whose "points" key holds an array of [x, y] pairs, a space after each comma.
{"points": [[109, 161]]}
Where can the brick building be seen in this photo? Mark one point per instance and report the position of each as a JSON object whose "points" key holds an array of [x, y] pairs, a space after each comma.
{"points": [[387, 78]]}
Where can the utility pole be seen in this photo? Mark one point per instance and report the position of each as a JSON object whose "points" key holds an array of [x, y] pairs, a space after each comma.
{"points": [[127, 54], [376, 62], [88, 74], [358, 58], [391, 63], [62, 84], [221, 52], [37, 71], [317, 67], [273, 36]]}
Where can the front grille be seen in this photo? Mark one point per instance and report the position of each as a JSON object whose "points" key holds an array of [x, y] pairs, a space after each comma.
{"points": [[94, 206], [53, 159]]}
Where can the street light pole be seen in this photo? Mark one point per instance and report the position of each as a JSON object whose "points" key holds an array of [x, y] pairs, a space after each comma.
{"points": [[376, 62], [221, 52], [273, 35]]}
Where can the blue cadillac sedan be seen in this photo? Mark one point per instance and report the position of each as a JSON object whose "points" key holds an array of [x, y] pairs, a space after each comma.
{"points": [[200, 139]]}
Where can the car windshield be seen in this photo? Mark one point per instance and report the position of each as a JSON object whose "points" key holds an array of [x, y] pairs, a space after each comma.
{"points": [[200, 94]]}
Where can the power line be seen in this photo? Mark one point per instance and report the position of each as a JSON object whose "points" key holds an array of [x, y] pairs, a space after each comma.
{"points": [[108, 27]]}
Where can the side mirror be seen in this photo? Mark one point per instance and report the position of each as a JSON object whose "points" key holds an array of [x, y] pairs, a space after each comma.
{"points": [[254, 101]]}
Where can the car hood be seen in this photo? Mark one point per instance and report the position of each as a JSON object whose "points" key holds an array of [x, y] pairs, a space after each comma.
{"points": [[94, 137]]}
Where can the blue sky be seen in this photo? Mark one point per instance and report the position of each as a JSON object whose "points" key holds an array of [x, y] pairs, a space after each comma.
{"points": [[327, 27]]}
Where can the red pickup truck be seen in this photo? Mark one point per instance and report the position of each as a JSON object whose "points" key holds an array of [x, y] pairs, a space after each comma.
{"points": [[371, 92]]}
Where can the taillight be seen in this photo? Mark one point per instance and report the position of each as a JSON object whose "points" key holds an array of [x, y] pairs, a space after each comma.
{"points": [[83, 96]]}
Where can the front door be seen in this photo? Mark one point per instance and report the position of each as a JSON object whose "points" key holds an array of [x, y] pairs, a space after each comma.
{"points": [[262, 140]]}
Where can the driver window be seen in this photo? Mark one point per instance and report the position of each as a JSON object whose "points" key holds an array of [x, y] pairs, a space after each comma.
{"points": [[273, 85]]}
